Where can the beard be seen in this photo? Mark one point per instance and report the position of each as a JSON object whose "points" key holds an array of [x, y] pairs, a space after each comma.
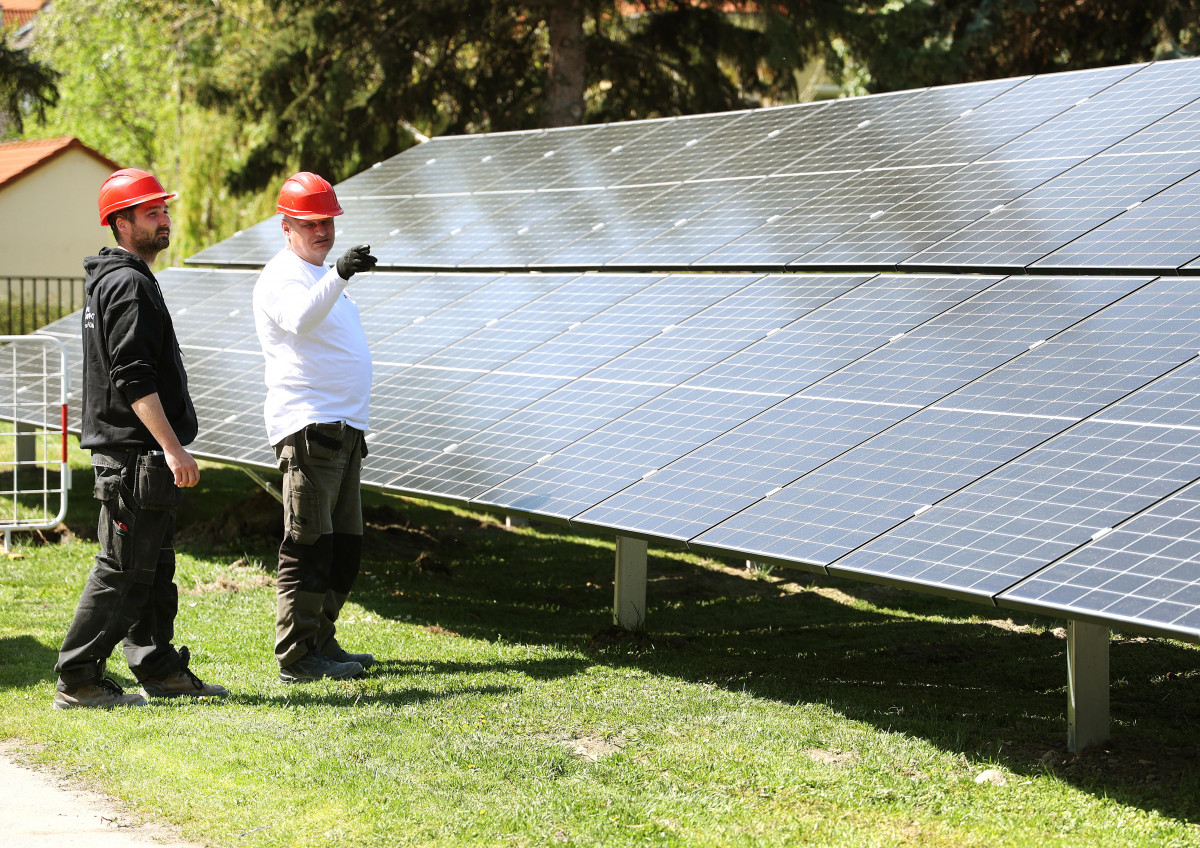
{"points": [[150, 240]]}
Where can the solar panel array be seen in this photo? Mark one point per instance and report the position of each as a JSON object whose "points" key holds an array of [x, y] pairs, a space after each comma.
{"points": [[943, 338], [1089, 170]]}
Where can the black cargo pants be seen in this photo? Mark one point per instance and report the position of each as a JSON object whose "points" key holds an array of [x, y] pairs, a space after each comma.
{"points": [[130, 594], [322, 539]]}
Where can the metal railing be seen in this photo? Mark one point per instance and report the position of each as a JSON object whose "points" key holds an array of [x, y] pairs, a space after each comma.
{"points": [[27, 303], [34, 475]]}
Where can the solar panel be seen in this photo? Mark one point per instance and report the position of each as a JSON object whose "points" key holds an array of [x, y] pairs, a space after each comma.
{"points": [[795, 436], [1142, 574], [1044, 392], [802, 352], [1157, 234], [1155, 153]]}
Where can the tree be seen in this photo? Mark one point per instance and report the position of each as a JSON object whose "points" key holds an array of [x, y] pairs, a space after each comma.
{"points": [[345, 84], [27, 87], [935, 42], [126, 79]]}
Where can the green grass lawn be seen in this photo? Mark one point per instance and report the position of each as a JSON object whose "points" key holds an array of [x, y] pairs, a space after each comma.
{"points": [[757, 708]]}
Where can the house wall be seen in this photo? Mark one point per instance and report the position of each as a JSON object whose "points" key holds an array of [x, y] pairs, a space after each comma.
{"points": [[49, 220]]}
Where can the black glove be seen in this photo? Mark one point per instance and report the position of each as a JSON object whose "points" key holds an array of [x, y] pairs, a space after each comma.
{"points": [[354, 260]]}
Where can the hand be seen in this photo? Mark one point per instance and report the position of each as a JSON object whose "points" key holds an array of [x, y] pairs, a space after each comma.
{"points": [[354, 260], [187, 472]]}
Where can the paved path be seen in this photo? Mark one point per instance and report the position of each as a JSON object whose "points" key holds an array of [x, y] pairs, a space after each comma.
{"points": [[42, 811]]}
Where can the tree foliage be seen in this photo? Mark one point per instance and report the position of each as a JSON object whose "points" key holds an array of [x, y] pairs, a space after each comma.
{"points": [[128, 71], [27, 87], [224, 97], [911, 43], [344, 84]]}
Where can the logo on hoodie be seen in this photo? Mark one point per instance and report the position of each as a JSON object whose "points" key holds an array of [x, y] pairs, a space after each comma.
{"points": [[89, 318]]}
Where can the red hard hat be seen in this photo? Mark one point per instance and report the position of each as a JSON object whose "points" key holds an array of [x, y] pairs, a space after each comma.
{"points": [[308, 196], [129, 187]]}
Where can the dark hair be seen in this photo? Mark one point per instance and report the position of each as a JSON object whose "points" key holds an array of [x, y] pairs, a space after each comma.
{"points": [[126, 213]]}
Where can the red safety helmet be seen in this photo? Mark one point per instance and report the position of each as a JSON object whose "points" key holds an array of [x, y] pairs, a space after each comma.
{"points": [[308, 196], [129, 187]]}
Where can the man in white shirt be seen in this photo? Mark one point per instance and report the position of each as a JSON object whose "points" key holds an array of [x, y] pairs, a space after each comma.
{"points": [[318, 375]]}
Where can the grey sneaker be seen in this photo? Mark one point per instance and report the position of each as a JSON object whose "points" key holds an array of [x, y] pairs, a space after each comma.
{"points": [[97, 696], [182, 683], [339, 654], [314, 666]]}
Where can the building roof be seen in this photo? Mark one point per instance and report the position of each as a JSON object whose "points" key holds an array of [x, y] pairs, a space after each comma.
{"points": [[17, 13], [18, 158]]}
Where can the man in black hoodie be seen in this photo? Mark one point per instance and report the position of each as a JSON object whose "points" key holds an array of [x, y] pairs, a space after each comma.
{"points": [[137, 416]]}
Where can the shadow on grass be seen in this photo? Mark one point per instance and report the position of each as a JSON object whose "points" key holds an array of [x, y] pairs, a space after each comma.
{"points": [[25, 660], [968, 678], [301, 695]]}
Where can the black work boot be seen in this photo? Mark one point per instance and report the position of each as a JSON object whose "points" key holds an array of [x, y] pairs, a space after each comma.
{"points": [[314, 666]]}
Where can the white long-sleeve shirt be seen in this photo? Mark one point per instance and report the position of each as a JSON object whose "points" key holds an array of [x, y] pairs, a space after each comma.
{"points": [[318, 363]]}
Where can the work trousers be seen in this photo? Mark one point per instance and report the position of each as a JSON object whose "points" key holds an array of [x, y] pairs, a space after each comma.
{"points": [[130, 595], [322, 541]]}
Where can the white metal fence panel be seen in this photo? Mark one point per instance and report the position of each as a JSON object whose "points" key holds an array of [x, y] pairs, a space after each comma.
{"points": [[34, 476]]}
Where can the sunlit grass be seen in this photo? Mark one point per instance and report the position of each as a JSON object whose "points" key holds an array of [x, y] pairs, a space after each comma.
{"points": [[757, 709]]}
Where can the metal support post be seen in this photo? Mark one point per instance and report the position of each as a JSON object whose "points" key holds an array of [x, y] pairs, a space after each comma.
{"points": [[1087, 685], [629, 584], [511, 521], [263, 482]]}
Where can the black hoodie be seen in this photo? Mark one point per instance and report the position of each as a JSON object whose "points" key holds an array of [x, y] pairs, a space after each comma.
{"points": [[129, 351]]}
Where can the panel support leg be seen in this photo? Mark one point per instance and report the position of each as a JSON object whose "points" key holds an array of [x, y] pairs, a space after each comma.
{"points": [[262, 481], [1087, 685], [629, 584]]}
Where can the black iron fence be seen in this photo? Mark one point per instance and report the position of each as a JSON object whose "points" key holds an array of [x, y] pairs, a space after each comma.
{"points": [[27, 303]]}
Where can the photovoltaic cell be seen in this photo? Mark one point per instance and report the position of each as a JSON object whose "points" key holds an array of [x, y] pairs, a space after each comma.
{"points": [[569, 300], [1143, 570], [936, 212], [652, 210], [1008, 115]]}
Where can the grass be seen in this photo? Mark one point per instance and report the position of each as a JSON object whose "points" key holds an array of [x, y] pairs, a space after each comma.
{"points": [[761, 707]]}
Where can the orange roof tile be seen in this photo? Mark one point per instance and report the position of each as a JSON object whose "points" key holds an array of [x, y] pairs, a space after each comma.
{"points": [[20, 12], [18, 158]]}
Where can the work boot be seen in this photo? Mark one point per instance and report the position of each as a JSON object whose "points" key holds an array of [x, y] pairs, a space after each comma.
{"points": [[339, 654], [314, 666], [107, 693], [182, 683]]}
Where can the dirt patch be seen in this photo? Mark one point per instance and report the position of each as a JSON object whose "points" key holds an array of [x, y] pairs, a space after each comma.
{"points": [[257, 523], [589, 748], [1126, 758], [836, 759], [242, 575], [54, 536], [438, 630]]}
